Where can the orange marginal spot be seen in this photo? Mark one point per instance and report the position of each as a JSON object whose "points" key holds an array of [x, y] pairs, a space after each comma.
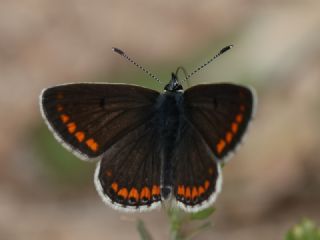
{"points": [[234, 127], [239, 118], [64, 118], [188, 192], [123, 192], [71, 127], [59, 108], [59, 96], [80, 136], [155, 190], [194, 193], [134, 194], [201, 190], [145, 193], [181, 190], [114, 187], [206, 185], [242, 108], [220, 146], [109, 173], [92, 144], [229, 137]]}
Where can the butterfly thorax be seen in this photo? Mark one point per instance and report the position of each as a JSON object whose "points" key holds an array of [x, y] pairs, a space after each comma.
{"points": [[170, 110]]}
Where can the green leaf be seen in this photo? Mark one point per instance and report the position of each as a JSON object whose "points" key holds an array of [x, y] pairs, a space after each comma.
{"points": [[177, 220], [144, 233], [203, 214], [305, 230]]}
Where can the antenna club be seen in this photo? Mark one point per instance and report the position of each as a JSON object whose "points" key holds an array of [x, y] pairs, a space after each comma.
{"points": [[117, 50], [223, 50]]}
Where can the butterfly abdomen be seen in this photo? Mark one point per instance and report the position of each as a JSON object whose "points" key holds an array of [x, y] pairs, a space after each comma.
{"points": [[169, 109]]}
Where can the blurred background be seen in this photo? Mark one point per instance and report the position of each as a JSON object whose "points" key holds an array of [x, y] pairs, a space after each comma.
{"points": [[270, 184]]}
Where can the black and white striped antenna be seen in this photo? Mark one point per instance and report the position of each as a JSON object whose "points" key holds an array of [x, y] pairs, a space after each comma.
{"points": [[223, 50], [123, 54]]}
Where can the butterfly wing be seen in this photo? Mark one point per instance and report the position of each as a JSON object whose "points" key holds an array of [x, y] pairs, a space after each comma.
{"points": [[89, 118], [220, 113], [214, 120], [128, 176], [197, 172]]}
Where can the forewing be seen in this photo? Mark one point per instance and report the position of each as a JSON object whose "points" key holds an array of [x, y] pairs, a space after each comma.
{"points": [[220, 113], [90, 118], [128, 176], [197, 173]]}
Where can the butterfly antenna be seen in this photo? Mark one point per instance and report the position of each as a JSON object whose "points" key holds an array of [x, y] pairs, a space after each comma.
{"points": [[123, 54], [223, 50]]}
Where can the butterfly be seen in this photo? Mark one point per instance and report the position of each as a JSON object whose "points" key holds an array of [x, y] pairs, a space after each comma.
{"points": [[155, 147]]}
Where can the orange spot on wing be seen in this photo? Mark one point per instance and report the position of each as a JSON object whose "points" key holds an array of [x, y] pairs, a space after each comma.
{"points": [[59, 96], [229, 137], [234, 127], [188, 192], [134, 194], [80, 136], [145, 193], [123, 192], [71, 127], [155, 190], [220, 146], [114, 187], [92, 144], [206, 185], [239, 118], [194, 193], [59, 108], [64, 118], [201, 190], [181, 190], [109, 173]]}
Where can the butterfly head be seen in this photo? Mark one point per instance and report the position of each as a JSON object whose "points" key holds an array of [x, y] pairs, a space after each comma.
{"points": [[173, 85]]}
